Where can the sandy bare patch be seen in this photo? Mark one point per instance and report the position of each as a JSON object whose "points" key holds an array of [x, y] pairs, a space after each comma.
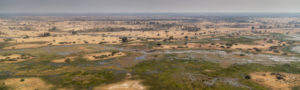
{"points": [[64, 60], [27, 84], [14, 58], [23, 46], [103, 55], [263, 48], [1, 40], [125, 85], [72, 39], [276, 81]]}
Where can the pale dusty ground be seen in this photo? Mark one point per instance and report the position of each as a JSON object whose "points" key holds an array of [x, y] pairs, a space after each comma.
{"points": [[1, 40], [27, 84], [125, 85], [63, 60], [18, 57], [269, 80], [64, 38], [19, 33], [23, 46], [262, 45], [108, 54], [70, 39]]}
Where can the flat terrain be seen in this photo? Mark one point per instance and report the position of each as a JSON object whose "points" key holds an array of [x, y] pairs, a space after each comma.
{"points": [[149, 53]]}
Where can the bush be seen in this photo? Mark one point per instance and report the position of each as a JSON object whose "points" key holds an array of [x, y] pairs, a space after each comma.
{"points": [[114, 52], [45, 34], [68, 60], [22, 80], [52, 29], [3, 87], [84, 80], [158, 44], [73, 32], [247, 77], [257, 50], [175, 74], [242, 54], [124, 39]]}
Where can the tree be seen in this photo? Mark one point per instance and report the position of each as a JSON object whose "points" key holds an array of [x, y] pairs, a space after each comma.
{"points": [[186, 37], [171, 38], [26, 36], [73, 32], [252, 27], [158, 44], [270, 41], [22, 80], [45, 34], [68, 60], [124, 39], [114, 52], [53, 29], [247, 77]]}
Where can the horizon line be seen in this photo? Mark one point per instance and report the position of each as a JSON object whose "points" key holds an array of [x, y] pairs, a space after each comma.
{"points": [[149, 13]]}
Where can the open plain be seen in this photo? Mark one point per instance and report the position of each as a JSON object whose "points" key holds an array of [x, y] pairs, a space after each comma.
{"points": [[155, 52]]}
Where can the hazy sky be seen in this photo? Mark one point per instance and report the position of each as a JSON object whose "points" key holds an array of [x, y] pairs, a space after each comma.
{"points": [[133, 6]]}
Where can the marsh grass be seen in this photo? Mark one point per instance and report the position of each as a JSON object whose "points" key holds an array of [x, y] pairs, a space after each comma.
{"points": [[6, 44], [163, 73], [3, 86], [241, 39], [280, 36], [175, 74], [85, 79]]}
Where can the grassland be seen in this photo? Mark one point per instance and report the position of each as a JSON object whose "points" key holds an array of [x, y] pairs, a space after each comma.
{"points": [[193, 74], [156, 53]]}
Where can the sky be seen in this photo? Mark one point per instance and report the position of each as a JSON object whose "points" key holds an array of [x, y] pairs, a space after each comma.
{"points": [[147, 6]]}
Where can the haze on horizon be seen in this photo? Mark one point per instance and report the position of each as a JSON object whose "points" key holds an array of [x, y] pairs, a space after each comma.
{"points": [[147, 6]]}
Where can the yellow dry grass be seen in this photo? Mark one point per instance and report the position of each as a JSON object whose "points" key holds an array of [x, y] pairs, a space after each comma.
{"points": [[14, 58], [125, 85], [63, 60], [271, 80], [72, 39], [1, 40], [23, 46], [28, 84], [106, 55]]}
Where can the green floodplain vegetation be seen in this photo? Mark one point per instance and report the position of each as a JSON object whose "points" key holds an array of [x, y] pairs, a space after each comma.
{"points": [[157, 71]]}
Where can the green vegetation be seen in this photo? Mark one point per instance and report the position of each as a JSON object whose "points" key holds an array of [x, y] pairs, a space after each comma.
{"points": [[114, 52], [192, 74], [157, 44], [5, 44], [86, 79], [243, 40], [53, 29], [164, 73], [124, 39], [296, 88], [279, 36], [3, 86], [47, 34]]}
